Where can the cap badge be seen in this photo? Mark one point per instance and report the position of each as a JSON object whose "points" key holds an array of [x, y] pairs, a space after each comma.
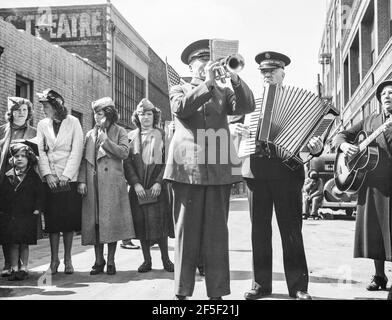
{"points": [[267, 55]]}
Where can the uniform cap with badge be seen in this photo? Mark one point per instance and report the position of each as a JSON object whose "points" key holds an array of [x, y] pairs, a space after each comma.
{"points": [[272, 60], [196, 50]]}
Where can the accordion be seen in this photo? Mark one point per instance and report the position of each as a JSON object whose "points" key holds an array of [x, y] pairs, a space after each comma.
{"points": [[284, 121]]}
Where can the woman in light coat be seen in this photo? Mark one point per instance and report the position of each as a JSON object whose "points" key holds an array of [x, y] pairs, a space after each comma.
{"points": [[106, 212], [60, 144]]}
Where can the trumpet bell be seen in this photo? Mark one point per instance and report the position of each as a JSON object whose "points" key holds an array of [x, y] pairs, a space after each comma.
{"points": [[235, 63]]}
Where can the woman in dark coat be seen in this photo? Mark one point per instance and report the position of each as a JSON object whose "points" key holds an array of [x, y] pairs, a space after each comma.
{"points": [[144, 170], [18, 115], [21, 200], [373, 226]]}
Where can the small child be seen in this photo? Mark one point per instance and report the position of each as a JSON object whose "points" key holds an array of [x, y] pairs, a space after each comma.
{"points": [[21, 199]]}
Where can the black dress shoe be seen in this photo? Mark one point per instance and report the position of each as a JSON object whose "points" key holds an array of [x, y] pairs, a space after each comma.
{"points": [[146, 266], [168, 265], [97, 268], [215, 298], [376, 283], [177, 297], [111, 269], [302, 295], [257, 293]]}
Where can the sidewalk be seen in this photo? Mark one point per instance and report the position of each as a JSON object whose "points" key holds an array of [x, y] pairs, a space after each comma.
{"points": [[334, 274]]}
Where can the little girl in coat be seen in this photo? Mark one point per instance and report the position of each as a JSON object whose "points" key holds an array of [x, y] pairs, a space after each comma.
{"points": [[21, 200]]}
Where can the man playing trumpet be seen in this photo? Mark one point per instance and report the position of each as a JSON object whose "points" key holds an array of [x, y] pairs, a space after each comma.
{"points": [[200, 185]]}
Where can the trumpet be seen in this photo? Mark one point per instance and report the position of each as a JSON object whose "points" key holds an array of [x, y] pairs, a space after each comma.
{"points": [[234, 63]]}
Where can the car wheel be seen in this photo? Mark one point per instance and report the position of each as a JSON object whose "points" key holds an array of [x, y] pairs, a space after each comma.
{"points": [[349, 212]]}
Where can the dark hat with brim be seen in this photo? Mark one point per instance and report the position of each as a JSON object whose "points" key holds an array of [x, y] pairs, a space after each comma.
{"points": [[272, 60], [381, 87], [197, 49], [19, 144], [49, 95]]}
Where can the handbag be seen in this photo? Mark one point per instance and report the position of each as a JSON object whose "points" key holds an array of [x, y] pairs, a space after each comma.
{"points": [[149, 199], [59, 189]]}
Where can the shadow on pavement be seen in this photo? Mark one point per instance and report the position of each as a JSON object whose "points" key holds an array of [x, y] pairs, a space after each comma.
{"points": [[19, 292], [247, 275]]}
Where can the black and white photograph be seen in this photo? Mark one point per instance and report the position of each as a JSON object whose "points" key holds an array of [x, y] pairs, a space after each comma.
{"points": [[209, 150]]}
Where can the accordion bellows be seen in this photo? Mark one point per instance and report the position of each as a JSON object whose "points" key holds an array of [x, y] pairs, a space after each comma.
{"points": [[284, 121]]}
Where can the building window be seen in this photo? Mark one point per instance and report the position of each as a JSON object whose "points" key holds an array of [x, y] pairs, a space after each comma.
{"points": [[390, 17], [368, 40], [129, 90], [355, 77], [78, 115], [346, 82], [24, 88]]}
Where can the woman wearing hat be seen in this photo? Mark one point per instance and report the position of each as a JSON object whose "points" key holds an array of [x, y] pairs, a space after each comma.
{"points": [[21, 200], [60, 144], [18, 115], [373, 234], [106, 213], [144, 170]]}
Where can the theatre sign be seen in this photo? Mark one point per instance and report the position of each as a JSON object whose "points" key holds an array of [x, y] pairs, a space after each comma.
{"points": [[68, 24]]}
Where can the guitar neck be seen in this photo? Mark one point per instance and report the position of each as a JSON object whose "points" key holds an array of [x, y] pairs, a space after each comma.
{"points": [[365, 143]]}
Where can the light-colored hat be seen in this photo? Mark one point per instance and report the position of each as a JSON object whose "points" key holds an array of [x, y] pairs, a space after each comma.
{"points": [[145, 105], [105, 102], [17, 101]]}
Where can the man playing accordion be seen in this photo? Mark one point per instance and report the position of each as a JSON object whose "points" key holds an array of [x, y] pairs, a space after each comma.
{"points": [[271, 183]]}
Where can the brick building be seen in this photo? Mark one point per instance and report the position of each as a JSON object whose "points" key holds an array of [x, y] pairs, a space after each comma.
{"points": [[356, 56], [29, 65], [102, 35]]}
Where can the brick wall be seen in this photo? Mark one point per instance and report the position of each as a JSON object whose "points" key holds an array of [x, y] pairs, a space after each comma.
{"points": [[80, 82], [157, 83], [94, 52]]}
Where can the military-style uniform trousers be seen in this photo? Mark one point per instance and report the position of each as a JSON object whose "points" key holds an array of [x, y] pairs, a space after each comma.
{"points": [[200, 216], [286, 196]]}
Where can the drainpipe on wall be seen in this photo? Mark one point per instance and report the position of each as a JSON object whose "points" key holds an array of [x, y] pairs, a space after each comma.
{"points": [[111, 29]]}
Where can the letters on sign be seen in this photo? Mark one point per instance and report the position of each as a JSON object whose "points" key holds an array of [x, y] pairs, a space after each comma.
{"points": [[67, 24]]}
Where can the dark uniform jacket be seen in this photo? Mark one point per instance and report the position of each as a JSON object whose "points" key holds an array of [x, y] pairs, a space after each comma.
{"points": [[197, 108]]}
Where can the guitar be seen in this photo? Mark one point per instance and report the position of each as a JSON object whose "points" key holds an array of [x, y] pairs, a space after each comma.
{"points": [[350, 172]]}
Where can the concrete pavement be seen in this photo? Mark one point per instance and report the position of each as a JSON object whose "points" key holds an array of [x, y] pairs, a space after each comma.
{"points": [[334, 274]]}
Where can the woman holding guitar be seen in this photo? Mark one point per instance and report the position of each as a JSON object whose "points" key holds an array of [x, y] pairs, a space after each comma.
{"points": [[373, 238]]}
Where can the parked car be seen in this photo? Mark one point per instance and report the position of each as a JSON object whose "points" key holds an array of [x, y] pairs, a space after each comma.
{"points": [[333, 198]]}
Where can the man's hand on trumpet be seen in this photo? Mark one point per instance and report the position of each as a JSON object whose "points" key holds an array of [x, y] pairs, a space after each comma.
{"points": [[210, 72]]}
